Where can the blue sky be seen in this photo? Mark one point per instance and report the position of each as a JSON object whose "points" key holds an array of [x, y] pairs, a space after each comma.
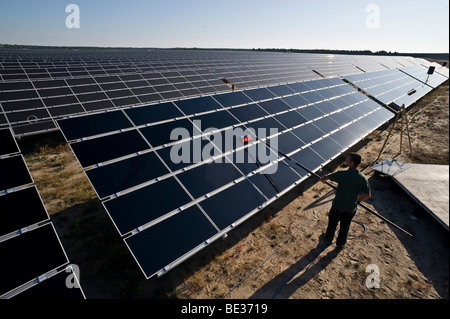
{"points": [[399, 25]]}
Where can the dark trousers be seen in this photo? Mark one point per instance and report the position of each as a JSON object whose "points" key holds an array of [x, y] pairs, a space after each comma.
{"points": [[344, 218]]}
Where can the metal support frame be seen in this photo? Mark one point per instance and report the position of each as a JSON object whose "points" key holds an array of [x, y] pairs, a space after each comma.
{"points": [[403, 121]]}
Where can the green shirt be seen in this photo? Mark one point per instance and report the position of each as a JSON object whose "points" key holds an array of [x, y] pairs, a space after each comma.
{"points": [[351, 183]]}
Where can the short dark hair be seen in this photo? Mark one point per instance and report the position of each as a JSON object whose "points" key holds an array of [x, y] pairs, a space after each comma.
{"points": [[355, 158]]}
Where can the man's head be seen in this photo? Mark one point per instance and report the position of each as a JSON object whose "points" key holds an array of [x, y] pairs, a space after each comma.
{"points": [[353, 160]]}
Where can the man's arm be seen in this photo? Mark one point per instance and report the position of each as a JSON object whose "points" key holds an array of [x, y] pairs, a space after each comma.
{"points": [[325, 178], [363, 197]]}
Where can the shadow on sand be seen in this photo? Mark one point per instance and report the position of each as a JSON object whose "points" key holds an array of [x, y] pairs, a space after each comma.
{"points": [[284, 285]]}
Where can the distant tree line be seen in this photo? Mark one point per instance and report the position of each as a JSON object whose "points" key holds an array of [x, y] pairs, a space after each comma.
{"points": [[438, 56]]}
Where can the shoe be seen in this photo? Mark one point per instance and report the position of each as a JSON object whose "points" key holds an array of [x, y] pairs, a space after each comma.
{"points": [[325, 240]]}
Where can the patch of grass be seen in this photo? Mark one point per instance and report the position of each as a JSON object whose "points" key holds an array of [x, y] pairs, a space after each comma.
{"points": [[58, 177]]}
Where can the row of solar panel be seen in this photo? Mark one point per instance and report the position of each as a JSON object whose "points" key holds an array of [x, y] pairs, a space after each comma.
{"points": [[35, 109], [26, 107], [33, 260], [170, 207], [20, 72], [325, 64], [402, 87], [174, 57]]}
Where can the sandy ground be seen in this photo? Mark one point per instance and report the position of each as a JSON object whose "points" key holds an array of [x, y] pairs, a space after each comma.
{"points": [[280, 250]]}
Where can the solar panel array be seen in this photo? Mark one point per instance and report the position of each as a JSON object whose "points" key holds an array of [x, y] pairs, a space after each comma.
{"points": [[166, 209], [176, 158], [32, 254], [419, 72], [391, 86], [39, 87], [398, 87]]}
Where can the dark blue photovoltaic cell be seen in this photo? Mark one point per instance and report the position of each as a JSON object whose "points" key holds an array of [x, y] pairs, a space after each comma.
{"points": [[281, 90], [250, 158], [265, 127], [248, 112], [160, 134], [259, 94], [232, 99], [326, 94], [153, 113], [288, 142], [109, 147], [115, 177], [314, 85], [207, 177], [198, 105], [308, 133], [382, 115], [308, 158], [215, 120], [274, 106], [13, 172], [295, 101], [312, 97], [264, 184], [224, 211], [326, 124], [21, 209], [329, 106], [40, 248], [8, 143], [353, 98], [358, 129], [354, 112], [299, 87], [290, 119], [163, 243], [368, 122], [344, 137], [135, 209], [310, 112], [186, 153], [327, 148], [341, 118], [85, 126], [284, 174]]}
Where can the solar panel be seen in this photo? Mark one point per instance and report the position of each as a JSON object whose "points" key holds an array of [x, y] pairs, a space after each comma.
{"points": [[149, 194], [14, 173], [21, 209], [39, 247], [158, 246], [391, 86], [420, 73], [9, 144], [31, 250]]}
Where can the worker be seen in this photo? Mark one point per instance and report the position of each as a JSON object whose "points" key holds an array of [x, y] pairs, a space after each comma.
{"points": [[353, 187]]}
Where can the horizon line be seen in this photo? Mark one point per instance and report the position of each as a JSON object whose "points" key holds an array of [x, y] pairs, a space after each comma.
{"points": [[210, 48]]}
